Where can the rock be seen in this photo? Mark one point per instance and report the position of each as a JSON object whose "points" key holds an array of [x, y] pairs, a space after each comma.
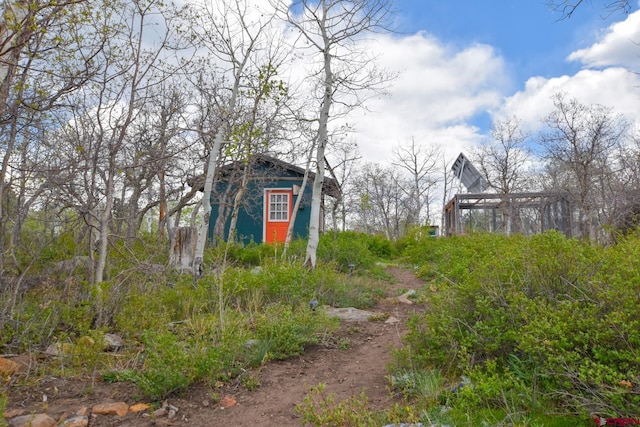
{"points": [[84, 411], [26, 361], [349, 314], [117, 408], [392, 320], [251, 343], [14, 413], [112, 342], [33, 420], [228, 402], [256, 270], [404, 298], [160, 412], [138, 407], [59, 349], [8, 367], [54, 349], [77, 421], [76, 415]]}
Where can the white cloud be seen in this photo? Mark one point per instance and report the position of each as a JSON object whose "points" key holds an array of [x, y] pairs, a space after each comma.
{"points": [[438, 89], [617, 88], [619, 45], [613, 85]]}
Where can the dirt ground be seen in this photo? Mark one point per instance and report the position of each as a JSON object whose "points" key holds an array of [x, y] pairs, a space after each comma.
{"points": [[359, 364]]}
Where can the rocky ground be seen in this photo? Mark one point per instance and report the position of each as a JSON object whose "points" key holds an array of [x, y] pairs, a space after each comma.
{"points": [[353, 361]]}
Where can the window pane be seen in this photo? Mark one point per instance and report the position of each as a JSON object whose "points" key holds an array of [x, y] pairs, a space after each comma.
{"points": [[278, 207]]}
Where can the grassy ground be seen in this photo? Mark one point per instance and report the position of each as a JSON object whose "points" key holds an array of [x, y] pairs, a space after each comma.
{"points": [[539, 331]]}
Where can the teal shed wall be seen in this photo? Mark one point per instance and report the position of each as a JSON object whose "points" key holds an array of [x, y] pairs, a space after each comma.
{"points": [[251, 215]]}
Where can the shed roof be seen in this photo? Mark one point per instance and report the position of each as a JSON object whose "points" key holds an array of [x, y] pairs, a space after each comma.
{"points": [[330, 186]]}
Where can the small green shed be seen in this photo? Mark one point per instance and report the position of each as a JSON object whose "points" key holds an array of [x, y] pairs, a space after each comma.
{"points": [[266, 207]]}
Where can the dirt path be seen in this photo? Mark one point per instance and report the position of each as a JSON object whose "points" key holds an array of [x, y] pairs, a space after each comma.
{"points": [[348, 369], [346, 372]]}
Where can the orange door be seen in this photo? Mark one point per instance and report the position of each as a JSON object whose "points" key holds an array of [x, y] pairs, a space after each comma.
{"points": [[278, 206]]}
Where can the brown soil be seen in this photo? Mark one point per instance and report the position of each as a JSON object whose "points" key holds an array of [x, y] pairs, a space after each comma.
{"points": [[345, 371]]}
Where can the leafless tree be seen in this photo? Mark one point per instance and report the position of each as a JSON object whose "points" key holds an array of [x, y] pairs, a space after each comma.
{"points": [[447, 188], [581, 140], [381, 205], [420, 162], [345, 157], [155, 147], [42, 59], [239, 39], [330, 30], [503, 160], [90, 155], [568, 7], [624, 187]]}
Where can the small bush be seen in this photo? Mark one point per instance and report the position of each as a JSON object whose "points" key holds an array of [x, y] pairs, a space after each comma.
{"points": [[426, 385], [321, 409], [169, 365], [288, 331], [346, 249]]}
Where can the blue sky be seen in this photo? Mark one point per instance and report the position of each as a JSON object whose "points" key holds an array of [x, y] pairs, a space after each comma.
{"points": [[516, 32], [464, 63], [533, 38]]}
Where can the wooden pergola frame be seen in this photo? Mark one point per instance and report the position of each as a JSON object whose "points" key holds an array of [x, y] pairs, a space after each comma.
{"points": [[555, 210]]}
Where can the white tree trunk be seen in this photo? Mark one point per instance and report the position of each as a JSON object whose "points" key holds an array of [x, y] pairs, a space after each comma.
{"points": [[296, 207], [240, 62], [206, 204], [316, 196]]}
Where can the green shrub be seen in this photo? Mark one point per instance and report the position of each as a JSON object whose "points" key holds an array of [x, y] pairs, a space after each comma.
{"points": [[169, 365], [427, 385], [288, 331], [346, 249], [534, 319], [380, 246], [321, 409], [177, 330]]}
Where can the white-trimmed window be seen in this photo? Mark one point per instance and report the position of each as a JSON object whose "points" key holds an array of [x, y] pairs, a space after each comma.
{"points": [[279, 207]]}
